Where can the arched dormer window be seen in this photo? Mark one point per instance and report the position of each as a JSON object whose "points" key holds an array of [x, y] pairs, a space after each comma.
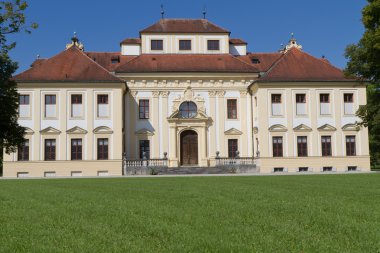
{"points": [[188, 110]]}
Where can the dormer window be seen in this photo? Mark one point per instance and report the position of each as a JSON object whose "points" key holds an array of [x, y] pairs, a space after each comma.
{"points": [[185, 45], [213, 45], [156, 45], [255, 61]]}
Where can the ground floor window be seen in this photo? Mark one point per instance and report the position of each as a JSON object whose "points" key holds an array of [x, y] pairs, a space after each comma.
{"points": [[102, 148], [350, 145], [277, 146], [144, 147], [326, 145], [302, 145], [232, 147], [76, 149], [50, 149], [23, 151]]}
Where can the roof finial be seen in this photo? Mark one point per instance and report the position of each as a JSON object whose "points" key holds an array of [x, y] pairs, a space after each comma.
{"points": [[38, 56], [75, 42], [162, 11], [204, 12], [292, 43]]}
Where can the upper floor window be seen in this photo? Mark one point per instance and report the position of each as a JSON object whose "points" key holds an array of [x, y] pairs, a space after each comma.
{"points": [[185, 45], [231, 108], [324, 100], [232, 147], [350, 145], [76, 105], [103, 108], [277, 146], [213, 45], [156, 45], [49, 149], [23, 151], [24, 106], [144, 109], [348, 103], [326, 145], [144, 147], [302, 145], [50, 106], [188, 110], [76, 149], [102, 148], [300, 104], [276, 104]]}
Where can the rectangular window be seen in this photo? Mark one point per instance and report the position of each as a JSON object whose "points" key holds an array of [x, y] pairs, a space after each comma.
{"points": [[103, 108], [303, 169], [276, 104], [185, 45], [302, 146], [300, 104], [23, 151], [350, 145], [156, 45], [76, 149], [278, 169], [348, 103], [352, 168], [277, 146], [327, 169], [50, 149], [232, 147], [231, 108], [24, 106], [326, 145], [50, 106], [144, 109], [76, 106], [324, 100], [213, 45], [144, 149], [102, 149]]}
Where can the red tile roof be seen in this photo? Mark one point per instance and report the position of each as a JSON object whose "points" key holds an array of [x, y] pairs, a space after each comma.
{"points": [[109, 60], [132, 41], [184, 26], [237, 41], [262, 61], [71, 65], [296, 65], [186, 63]]}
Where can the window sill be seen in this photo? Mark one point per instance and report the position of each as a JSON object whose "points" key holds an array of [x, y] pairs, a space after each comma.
{"points": [[50, 118]]}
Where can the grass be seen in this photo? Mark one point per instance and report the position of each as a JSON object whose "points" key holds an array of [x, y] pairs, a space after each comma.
{"points": [[317, 213]]}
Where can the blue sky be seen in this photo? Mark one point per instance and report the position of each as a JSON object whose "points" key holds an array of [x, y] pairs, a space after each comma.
{"points": [[323, 27]]}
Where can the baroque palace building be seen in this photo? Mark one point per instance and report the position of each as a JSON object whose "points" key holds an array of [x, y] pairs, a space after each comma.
{"points": [[186, 93]]}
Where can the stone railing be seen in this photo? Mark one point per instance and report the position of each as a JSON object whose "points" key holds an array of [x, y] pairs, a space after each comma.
{"points": [[237, 164], [144, 166]]}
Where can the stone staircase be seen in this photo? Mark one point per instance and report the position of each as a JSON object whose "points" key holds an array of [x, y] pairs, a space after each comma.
{"points": [[199, 170]]}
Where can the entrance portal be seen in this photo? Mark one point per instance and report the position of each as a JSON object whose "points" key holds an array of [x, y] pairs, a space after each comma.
{"points": [[189, 148]]}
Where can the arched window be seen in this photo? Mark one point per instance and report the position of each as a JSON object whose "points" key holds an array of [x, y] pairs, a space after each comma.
{"points": [[188, 110]]}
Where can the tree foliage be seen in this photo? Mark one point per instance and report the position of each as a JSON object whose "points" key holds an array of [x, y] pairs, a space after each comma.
{"points": [[364, 62], [12, 20]]}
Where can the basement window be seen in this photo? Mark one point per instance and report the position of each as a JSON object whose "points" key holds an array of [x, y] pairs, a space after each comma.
{"points": [[22, 174], [327, 169], [303, 169], [102, 173], [49, 174], [352, 168], [278, 170], [76, 173]]}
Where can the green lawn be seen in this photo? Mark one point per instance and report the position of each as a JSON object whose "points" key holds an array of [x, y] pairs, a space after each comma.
{"points": [[318, 213]]}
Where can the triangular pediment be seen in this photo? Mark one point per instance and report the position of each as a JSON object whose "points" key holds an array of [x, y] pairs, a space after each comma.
{"points": [[144, 131], [28, 130], [278, 128], [350, 127], [176, 115], [76, 130], [302, 128], [326, 127], [233, 131], [50, 130], [103, 130]]}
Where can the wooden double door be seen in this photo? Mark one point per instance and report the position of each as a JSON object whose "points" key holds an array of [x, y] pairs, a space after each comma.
{"points": [[189, 148]]}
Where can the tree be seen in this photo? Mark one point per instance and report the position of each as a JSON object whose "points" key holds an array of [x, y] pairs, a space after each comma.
{"points": [[12, 20], [364, 62]]}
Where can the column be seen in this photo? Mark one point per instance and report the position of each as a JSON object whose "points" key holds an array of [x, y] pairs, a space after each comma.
{"points": [[155, 116]]}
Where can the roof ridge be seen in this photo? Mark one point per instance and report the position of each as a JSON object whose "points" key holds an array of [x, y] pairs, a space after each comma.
{"points": [[275, 63], [245, 62]]}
